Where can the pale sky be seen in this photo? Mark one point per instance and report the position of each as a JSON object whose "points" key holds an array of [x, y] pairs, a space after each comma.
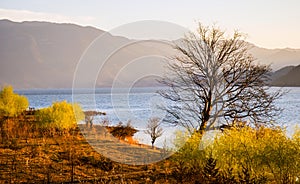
{"points": [[268, 23]]}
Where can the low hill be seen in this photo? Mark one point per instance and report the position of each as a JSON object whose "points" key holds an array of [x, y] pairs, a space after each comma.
{"points": [[281, 72], [287, 77]]}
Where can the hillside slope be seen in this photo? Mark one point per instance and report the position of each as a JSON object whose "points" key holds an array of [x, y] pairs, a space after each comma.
{"points": [[41, 54], [291, 78]]}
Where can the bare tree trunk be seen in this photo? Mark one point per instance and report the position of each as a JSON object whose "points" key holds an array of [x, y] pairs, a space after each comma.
{"points": [[205, 114], [202, 128]]}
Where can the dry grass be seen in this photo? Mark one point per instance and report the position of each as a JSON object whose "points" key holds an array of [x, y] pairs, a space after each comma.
{"points": [[128, 152], [60, 157]]}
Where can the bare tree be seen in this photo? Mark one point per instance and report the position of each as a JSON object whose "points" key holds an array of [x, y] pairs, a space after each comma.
{"points": [[154, 129], [89, 117], [214, 79]]}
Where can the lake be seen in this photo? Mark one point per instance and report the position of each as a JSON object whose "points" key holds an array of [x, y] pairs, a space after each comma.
{"points": [[140, 104]]}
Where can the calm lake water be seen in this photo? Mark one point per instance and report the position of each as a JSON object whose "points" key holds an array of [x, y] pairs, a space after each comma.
{"points": [[140, 104]]}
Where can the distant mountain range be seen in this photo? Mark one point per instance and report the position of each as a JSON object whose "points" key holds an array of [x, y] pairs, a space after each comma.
{"points": [[45, 55]]}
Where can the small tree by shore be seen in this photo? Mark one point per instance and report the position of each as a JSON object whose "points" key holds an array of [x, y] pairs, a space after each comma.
{"points": [[154, 129], [89, 117]]}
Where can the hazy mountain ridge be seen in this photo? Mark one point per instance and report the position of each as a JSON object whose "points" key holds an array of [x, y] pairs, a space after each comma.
{"points": [[277, 58], [45, 55]]}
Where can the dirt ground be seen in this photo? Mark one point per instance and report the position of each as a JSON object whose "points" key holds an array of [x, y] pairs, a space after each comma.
{"points": [[70, 158]]}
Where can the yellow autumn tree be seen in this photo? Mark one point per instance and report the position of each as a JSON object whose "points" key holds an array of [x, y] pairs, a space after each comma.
{"points": [[258, 154], [61, 115], [239, 155], [11, 104]]}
